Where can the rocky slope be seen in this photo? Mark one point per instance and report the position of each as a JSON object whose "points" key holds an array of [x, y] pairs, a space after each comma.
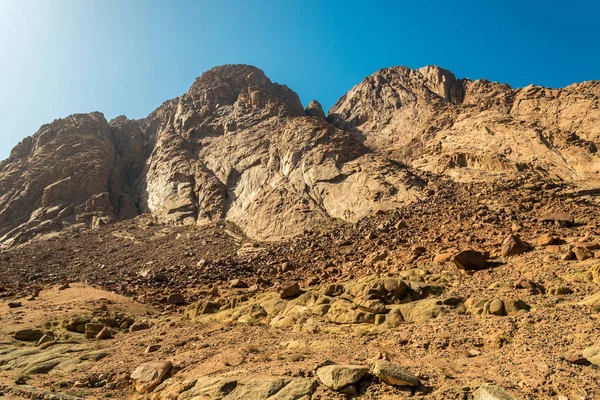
{"points": [[241, 148]]}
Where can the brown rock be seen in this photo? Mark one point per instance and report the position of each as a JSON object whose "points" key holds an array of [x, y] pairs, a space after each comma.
{"points": [[513, 245], [393, 374], [581, 253], [546, 240], [105, 333], [561, 219], [139, 326], [289, 290], [93, 329], [470, 260], [29, 335], [442, 258], [149, 375], [175, 298], [238, 284], [152, 348]]}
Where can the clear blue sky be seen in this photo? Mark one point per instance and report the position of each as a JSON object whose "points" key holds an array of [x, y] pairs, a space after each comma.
{"points": [[59, 57]]}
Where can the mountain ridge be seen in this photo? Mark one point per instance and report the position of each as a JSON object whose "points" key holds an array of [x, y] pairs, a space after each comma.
{"points": [[240, 147]]}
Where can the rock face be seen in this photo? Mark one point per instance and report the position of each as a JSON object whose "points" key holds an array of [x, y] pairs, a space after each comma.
{"points": [[468, 129], [236, 146], [239, 147], [70, 171]]}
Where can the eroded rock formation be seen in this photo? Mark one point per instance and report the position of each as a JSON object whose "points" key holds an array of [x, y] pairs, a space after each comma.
{"points": [[239, 147]]}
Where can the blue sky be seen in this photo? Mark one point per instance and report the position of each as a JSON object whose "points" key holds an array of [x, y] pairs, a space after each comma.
{"points": [[59, 57]]}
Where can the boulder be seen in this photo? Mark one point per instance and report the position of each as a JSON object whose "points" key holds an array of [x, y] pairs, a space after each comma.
{"points": [[139, 326], [592, 354], [470, 260], [337, 377], [176, 299], [513, 245], [489, 392], [289, 290], [393, 374], [92, 330], [562, 219], [546, 240], [29, 335], [149, 375]]}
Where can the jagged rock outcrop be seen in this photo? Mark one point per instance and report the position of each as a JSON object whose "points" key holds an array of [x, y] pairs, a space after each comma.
{"points": [[467, 129], [236, 146], [69, 172], [315, 109]]}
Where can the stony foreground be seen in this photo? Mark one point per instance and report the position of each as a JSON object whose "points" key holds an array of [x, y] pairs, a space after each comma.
{"points": [[484, 291]]}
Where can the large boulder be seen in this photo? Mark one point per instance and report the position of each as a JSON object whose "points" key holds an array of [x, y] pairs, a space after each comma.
{"points": [[337, 377], [470, 260], [592, 354], [29, 335], [513, 245], [149, 375], [393, 374]]}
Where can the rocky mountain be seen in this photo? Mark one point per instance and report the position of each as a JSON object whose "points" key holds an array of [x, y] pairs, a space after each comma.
{"points": [[468, 129], [239, 147]]}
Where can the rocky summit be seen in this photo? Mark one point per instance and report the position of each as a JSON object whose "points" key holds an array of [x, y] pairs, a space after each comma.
{"points": [[430, 237]]}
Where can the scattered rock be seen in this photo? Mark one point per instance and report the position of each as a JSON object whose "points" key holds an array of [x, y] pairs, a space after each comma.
{"points": [[139, 326], [489, 392], [513, 245], [14, 304], [470, 260], [561, 219], [104, 334], [149, 375], [592, 354], [393, 374], [289, 290], [176, 299], [337, 377]]}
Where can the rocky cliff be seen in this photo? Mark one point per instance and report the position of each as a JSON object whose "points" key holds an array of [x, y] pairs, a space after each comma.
{"points": [[467, 129], [239, 147]]}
